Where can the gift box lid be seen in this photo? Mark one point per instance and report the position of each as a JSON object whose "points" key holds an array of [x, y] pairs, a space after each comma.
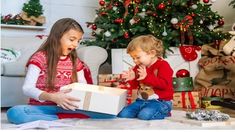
{"points": [[183, 84]]}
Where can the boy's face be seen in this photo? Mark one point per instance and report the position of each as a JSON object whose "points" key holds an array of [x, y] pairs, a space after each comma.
{"points": [[142, 58], [70, 41]]}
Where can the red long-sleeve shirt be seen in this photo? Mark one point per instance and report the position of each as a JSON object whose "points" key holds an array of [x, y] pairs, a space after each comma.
{"points": [[159, 76]]}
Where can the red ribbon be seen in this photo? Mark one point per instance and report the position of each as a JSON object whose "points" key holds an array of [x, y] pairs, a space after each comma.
{"points": [[127, 3], [191, 100]]}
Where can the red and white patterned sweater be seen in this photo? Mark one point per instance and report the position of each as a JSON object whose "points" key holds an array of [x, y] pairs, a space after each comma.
{"points": [[63, 76]]}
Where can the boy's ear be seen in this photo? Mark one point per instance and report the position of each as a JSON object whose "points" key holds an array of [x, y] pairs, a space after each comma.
{"points": [[152, 52]]}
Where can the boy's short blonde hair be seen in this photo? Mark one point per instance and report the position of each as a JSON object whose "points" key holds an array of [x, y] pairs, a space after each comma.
{"points": [[146, 43]]}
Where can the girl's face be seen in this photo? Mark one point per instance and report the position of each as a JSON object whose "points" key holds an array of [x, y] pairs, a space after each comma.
{"points": [[142, 58], [70, 41]]}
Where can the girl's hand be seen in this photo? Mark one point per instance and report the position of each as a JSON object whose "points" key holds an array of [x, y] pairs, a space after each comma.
{"points": [[64, 101], [141, 72], [128, 75]]}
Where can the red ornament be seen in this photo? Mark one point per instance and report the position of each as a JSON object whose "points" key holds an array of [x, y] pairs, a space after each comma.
{"points": [[182, 73], [161, 6], [206, 1], [154, 14], [102, 3], [193, 15], [93, 27], [119, 20], [126, 35], [116, 4], [103, 13], [221, 22]]}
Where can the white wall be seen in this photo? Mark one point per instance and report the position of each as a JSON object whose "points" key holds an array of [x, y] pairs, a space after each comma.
{"points": [[223, 8], [81, 10]]}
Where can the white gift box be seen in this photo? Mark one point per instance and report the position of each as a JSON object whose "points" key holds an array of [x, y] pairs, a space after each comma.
{"points": [[98, 98]]}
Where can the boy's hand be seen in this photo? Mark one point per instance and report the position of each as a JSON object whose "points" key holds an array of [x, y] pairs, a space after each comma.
{"points": [[141, 72], [128, 75], [65, 101]]}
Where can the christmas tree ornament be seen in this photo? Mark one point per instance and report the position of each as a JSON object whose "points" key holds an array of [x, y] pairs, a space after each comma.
{"points": [[93, 27], [182, 73], [221, 22], [206, 1], [132, 21], [164, 33], [116, 4], [103, 13], [161, 6], [142, 14], [126, 35], [114, 8], [194, 6], [174, 20], [201, 21], [211, 27], [154, 14], [102, 3], [118, 20], [107, 34]]}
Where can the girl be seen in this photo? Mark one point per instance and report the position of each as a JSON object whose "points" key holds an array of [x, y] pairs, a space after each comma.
{"points": [[153, 76], [52, 66]]}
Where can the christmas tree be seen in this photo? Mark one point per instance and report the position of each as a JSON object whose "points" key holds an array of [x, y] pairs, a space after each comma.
{"points": [[173, 21], [232, 3], [33, 8]]}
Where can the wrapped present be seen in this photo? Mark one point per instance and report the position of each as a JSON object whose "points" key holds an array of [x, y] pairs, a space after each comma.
{"points": [[98, 98], [206, 102], [189, 100], [183, 84], [116, 80], [109, 80]]}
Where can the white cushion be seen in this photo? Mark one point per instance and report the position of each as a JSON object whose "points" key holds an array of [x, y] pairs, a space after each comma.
{"points": [[26, 46]]}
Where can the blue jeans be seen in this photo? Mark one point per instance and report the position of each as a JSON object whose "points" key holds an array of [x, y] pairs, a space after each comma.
{"points": [[27, 113], [147, 109]]}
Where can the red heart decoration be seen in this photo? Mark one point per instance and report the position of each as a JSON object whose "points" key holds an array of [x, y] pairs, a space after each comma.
{"points": [[188, 52]]}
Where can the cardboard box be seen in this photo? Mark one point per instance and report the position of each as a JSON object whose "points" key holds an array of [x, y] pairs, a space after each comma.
{"points": [[98, 98], [190, 100], [116, 81]]}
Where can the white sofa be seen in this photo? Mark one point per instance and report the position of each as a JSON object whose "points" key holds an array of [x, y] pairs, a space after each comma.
{"points": [[12, 73]]}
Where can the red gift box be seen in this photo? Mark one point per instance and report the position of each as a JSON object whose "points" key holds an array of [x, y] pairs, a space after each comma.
{"points": [[189, 100]]}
